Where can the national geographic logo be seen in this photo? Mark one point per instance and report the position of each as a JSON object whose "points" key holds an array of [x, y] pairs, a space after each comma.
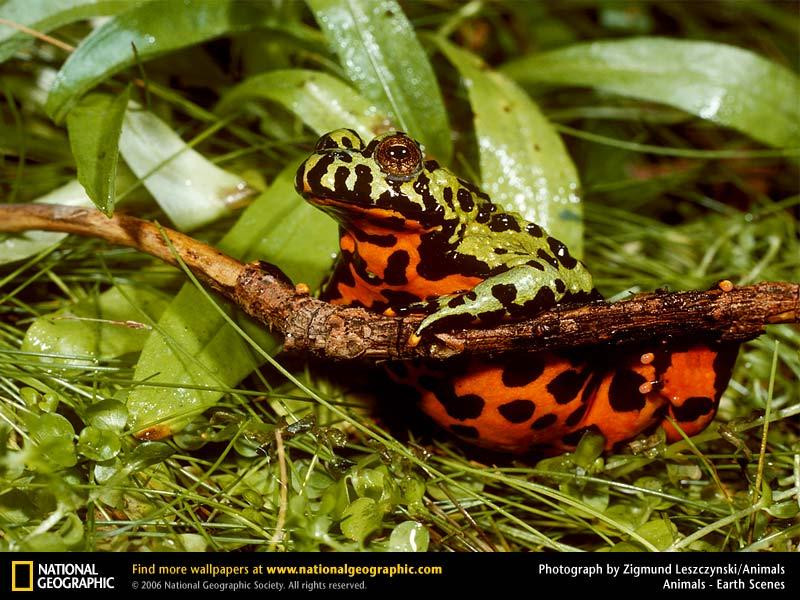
{"points": [[21, 575], [27, 576]]}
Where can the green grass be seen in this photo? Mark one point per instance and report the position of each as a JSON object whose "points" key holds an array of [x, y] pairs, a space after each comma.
{"points": [[669, 200]]}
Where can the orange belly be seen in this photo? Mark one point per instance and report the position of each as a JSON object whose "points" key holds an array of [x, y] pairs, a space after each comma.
{"points": [[544, 400]]}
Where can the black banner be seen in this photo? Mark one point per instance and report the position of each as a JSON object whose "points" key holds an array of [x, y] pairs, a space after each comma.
{"points": [[326, 573]]}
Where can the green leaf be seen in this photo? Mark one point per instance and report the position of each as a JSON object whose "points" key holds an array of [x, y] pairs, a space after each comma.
{"points": [[103, 327], [46, 15], [108, 414], [99, 444], [524, 164], [193, 346], [322, 101], [728, 85], [15, 247], [94, 127], [147, 454], [155, 28], [191, 189], [361, 518], [53, 436], [409, 536], [659, 532], [43, 542], [382, 56]]}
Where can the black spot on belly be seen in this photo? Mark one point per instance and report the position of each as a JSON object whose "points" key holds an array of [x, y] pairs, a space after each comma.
{"points": [[465, 431], [384, 241], [469, 406], [501, 251], [522, 369], [395, 272], [503, 222], [624, 394], [465, 200], [572, 439], [517, 411], [361, 269], [534, 230], [723, 366], [566, 385], [693, 408], [505, 293], [547, 258], [560, 286], [465, 407], [544, 422], [576, 415]]}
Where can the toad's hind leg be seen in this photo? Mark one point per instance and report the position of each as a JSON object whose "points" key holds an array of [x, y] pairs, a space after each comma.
{"points": [[692, 381]]}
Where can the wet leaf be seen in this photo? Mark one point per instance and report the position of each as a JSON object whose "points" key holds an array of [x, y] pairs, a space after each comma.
{"points": [[659, 532], [409, 536], [361, 518], [94, 126], [147, 454], [381, 54], [322, 101], [110, 415], [43, 542], [524, 164], [53, 436], [155, 28], [191, 189], [104, 327], [99, 444], [46, 15], [370, 483], [728, 85]]}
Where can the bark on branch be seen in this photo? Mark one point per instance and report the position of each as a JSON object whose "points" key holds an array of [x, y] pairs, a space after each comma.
{"points": [[317, 328]]}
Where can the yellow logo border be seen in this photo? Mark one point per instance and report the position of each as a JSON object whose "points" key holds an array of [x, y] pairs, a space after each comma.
{"points": [[14, 564]]}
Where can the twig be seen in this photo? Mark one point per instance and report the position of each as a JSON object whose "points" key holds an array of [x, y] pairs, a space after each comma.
{"points": [[317, 328]]}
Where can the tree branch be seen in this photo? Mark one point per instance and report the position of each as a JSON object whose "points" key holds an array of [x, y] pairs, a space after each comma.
{"points": [[317, 328]]}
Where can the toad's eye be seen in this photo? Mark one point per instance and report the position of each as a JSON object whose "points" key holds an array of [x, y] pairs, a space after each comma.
{"points": [[399, 157]]}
